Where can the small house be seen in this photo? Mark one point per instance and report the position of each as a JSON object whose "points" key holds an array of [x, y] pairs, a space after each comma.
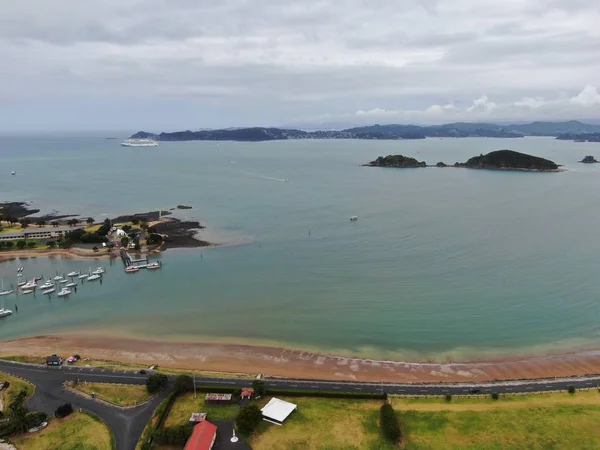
{"points": [[218, 399], [197, 417], [247, 393], [203, 437]]}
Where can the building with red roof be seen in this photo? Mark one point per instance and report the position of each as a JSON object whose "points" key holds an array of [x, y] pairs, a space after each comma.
{"points": [[203, 437]]}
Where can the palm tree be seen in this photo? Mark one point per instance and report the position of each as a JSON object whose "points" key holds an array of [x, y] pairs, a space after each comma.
{"points": [[90, 220]]}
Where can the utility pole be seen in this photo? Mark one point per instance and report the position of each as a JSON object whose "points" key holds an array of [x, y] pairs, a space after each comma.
{"points": [[195, 386]]}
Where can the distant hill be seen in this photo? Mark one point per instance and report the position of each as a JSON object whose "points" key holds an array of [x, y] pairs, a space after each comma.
{"points": [[562, 130], [396, 161]]}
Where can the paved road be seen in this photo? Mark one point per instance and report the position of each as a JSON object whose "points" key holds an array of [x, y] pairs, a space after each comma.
{"points": [[128, 424]]}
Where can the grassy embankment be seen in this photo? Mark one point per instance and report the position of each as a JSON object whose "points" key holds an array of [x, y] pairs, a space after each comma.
{"points": [[119, 394], [79, 431], [16, 386], [186, 404]]}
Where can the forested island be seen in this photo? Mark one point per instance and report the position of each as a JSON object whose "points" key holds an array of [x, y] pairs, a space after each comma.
{"points": [[579, 137], [589, 159], [497, 160], [382, 132]]}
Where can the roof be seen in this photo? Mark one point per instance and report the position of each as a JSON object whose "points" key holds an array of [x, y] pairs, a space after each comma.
{"points": [[278, 409], [218, 397], [202, 437], [12, 235], [197, 417], [50, 229]]}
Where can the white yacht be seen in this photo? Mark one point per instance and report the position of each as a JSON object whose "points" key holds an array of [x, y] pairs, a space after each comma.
{"points": [[70, 285], [139, 143], [83, 275], [5, 312], [64, 292], [94, 277], [48, 290], [98, 271], [4, 292], [73, 274]]}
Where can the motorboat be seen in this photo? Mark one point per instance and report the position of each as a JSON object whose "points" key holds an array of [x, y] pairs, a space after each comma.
{"points": [[58, 278], [94, 277], [47, 285], [29, 285], [49, 290], [155, 265], [64, 292], [354, 218], [98, 271], [27, 291], [63, 281], [83, 275], [70, 285], [73, 274], [5, 312], [132, 269]]}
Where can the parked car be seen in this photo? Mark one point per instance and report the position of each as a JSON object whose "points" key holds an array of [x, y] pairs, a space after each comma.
{"points": [[143, 372], [474, 391], [73, 359]]}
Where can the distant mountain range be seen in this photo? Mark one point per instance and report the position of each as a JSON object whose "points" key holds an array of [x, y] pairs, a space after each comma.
{"points": [[573, 130]]}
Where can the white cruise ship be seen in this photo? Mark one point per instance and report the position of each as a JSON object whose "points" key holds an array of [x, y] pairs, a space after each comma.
{"points": [[139, 143]]}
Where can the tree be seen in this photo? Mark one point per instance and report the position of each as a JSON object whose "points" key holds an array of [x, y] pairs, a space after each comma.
{"points": [[448, 397], [571, 389], [55, 224], [184, 383], [124, 241], [51, 244], [137, 246], [154, 238], [40, 222], [144, 225], [135, 221], [259, 387], [21, 244], [66, 243], [63, 410], [126, 228], [156, 382], [31, 244], [495, 396], [90, 220], [24, 223], [72, 222], [389, 423], [2, 245], [9, 245], [248, 419]]}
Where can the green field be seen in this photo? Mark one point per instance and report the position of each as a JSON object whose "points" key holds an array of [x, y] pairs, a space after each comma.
{"points": [[119, 394], [325, 424], [537, 421], [79, 431], [16, 386], [185, 405]]}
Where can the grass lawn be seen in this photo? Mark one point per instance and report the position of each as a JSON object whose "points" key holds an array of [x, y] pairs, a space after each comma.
{"points": [[540, 421], [119, 394], [185, 405], [325, 424], [79, 431], [92, 228], [16, 386], [26, 359]]}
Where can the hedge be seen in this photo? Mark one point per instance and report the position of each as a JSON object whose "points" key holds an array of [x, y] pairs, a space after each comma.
{"points": [[389, 423]]}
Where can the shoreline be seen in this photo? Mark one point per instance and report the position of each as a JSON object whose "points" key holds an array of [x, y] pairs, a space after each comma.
{"points": [[281, 362], [71, 253]]}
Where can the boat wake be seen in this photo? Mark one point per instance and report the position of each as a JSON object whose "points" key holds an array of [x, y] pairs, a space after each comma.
{"points": [[281, 180]]}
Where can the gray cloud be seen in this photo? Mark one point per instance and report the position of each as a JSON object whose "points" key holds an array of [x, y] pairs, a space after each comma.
{"points": [[286, 61]]}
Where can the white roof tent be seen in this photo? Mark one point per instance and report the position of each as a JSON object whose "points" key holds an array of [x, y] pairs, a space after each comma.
{"points": [[276, 411]]}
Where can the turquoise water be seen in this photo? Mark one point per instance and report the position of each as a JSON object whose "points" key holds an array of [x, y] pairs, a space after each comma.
{"points": [[442, 262]]}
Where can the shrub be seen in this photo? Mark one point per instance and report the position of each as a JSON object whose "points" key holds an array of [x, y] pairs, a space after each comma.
{"points": [[126, 228], [495, 396], [176, 435], [35, 419], [448, 397], [21, 244], [571, 389], [66, 243], [31, 244], [389, 423], [184, 383], [248, 419], [124, 241], [63, 410], [259, 387], [51, 244], [156, 382], [154, 238], [134, 221]]}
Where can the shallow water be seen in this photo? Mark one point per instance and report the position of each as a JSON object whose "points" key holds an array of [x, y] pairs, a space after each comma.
{"points": [[442, 262]]}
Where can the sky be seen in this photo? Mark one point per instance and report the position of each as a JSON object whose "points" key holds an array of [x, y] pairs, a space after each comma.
{"points": [[163, 65]]}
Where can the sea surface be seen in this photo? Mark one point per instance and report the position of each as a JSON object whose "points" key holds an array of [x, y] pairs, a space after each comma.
{"points": [[442, 263]]}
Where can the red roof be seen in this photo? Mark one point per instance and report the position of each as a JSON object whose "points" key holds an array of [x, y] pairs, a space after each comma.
{"points": [[202, 437]]}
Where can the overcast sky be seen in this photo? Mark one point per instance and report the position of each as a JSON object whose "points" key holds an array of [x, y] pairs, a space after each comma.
{"points": [[176, 64]]}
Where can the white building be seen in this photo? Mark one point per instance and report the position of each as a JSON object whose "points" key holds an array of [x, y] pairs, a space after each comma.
{"points": [[277, 411]]}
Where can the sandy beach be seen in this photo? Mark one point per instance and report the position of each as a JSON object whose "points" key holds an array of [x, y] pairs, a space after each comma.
{"points": [[74, 253], [279, 362]]}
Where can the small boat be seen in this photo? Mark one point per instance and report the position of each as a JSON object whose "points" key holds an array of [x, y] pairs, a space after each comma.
{"points": [[155, 265], [82, 276], [63, 292], [20, 274], [46, 286], [98, 271], [4, 292], [354, 218], [70, 285], [132, 269], [94, 277], [5, 312], [27, 291], [63, 281], [13, 173], [22, 283], [58, 278], [48, 291], [29, 285], [73, 274], [36, 279]]}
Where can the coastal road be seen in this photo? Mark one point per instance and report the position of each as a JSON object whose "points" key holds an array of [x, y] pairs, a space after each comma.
{"points": [[128, 424]]}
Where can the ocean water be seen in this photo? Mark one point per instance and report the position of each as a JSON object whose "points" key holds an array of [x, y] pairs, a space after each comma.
{"points": [[442, 263]]}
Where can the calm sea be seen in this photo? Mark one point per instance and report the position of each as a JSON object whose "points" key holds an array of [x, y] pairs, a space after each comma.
{"points": [[441, 263]]}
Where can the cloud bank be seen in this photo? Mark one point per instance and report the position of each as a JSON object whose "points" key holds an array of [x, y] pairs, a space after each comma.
{"points": [[172, 64]]}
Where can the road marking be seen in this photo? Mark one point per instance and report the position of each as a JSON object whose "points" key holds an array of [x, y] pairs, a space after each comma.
{"points": [[548, 386], [422, 390], [358, 389], [102, 370], [91, 370], [588, 384], [528, 387], [401, 390], [336, 387], [444, 390], [293, 385]]}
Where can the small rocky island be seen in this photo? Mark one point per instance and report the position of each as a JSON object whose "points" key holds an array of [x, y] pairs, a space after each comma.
{"points": [[396, 161], [497, 160], [589, 159]]}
